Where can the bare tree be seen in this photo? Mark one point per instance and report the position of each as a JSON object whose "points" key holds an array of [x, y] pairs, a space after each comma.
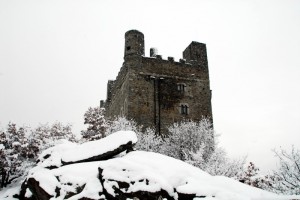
{"points": [[285, 180]]}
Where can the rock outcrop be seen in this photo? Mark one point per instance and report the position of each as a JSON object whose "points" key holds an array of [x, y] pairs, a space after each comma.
{"points": [[70, 171], [71, 153], [75, 172]]}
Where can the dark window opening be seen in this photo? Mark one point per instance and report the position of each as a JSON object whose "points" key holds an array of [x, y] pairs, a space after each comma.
{"points": [[184, 110], [128, 48], [181, 87], [165, 106]]}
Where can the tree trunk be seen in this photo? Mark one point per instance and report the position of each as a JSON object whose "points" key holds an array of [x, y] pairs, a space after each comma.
{"points": [[3, 175]]}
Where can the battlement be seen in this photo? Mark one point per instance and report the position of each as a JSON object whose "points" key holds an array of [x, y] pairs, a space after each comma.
{"points": [[181, 62], [194, 55]]}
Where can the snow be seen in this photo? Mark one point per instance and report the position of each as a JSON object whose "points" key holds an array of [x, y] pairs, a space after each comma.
{"points": [[7, 193], [2, 146], [55, 154], [166, 173], [71, 152], [94, 148], [45, 179], [16, 144], [144, 171], [69, 178], [28, 193]]}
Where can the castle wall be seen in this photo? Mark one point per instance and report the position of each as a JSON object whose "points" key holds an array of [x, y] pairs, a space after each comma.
{"points": [[152, 76], [117, 105]]}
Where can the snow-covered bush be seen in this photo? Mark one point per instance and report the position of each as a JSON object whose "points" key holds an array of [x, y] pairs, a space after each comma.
{"points": [[45, 135], [218, 163], [13, 152], [189, 137], [120, 123], [250, 175], [149, 141], [192, 142], [97, 124], [19, 147]]}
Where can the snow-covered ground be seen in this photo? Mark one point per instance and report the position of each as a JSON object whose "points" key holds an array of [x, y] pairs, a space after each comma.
{"points": [[130, 175]]}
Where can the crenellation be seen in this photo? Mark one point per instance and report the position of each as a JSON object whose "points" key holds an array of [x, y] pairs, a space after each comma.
{"points": [[171, 59], [182, 61], [153, 52], [159, 57]]}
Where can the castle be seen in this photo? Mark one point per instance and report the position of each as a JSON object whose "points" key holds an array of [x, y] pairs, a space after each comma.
{"points": [[156, 92]]}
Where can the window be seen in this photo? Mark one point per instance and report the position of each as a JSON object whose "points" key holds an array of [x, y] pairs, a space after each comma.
{"points": [[165, 106], [128, 48], [181, 87], [184, 109]]}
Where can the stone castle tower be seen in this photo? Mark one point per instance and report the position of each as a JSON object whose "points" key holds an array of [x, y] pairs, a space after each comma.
{"points": [[156, 92]]}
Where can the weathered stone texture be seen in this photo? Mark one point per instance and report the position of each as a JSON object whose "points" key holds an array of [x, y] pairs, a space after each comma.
{"points": [[152, 90]]}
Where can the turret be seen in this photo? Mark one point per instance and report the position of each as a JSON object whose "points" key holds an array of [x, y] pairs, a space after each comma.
{"points": [[196, 52], [134, 43]]}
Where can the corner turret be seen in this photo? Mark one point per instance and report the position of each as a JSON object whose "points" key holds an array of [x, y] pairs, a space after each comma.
{"points": [[196, 52], [134, 43]]}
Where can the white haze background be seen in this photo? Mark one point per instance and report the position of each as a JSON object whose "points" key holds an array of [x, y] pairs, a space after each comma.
{"points": [[56, 57]]}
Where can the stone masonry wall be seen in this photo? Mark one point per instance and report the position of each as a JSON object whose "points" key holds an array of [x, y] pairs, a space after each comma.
{"points": [[162, 77], [117, 105]]}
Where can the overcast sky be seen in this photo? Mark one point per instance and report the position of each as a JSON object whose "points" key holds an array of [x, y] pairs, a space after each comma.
{"points": [[57, 56]]}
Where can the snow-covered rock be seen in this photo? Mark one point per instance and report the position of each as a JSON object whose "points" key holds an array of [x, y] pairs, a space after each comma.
{"points": [[70, 153], [133, 175], [74, 182], [139, 173]]}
